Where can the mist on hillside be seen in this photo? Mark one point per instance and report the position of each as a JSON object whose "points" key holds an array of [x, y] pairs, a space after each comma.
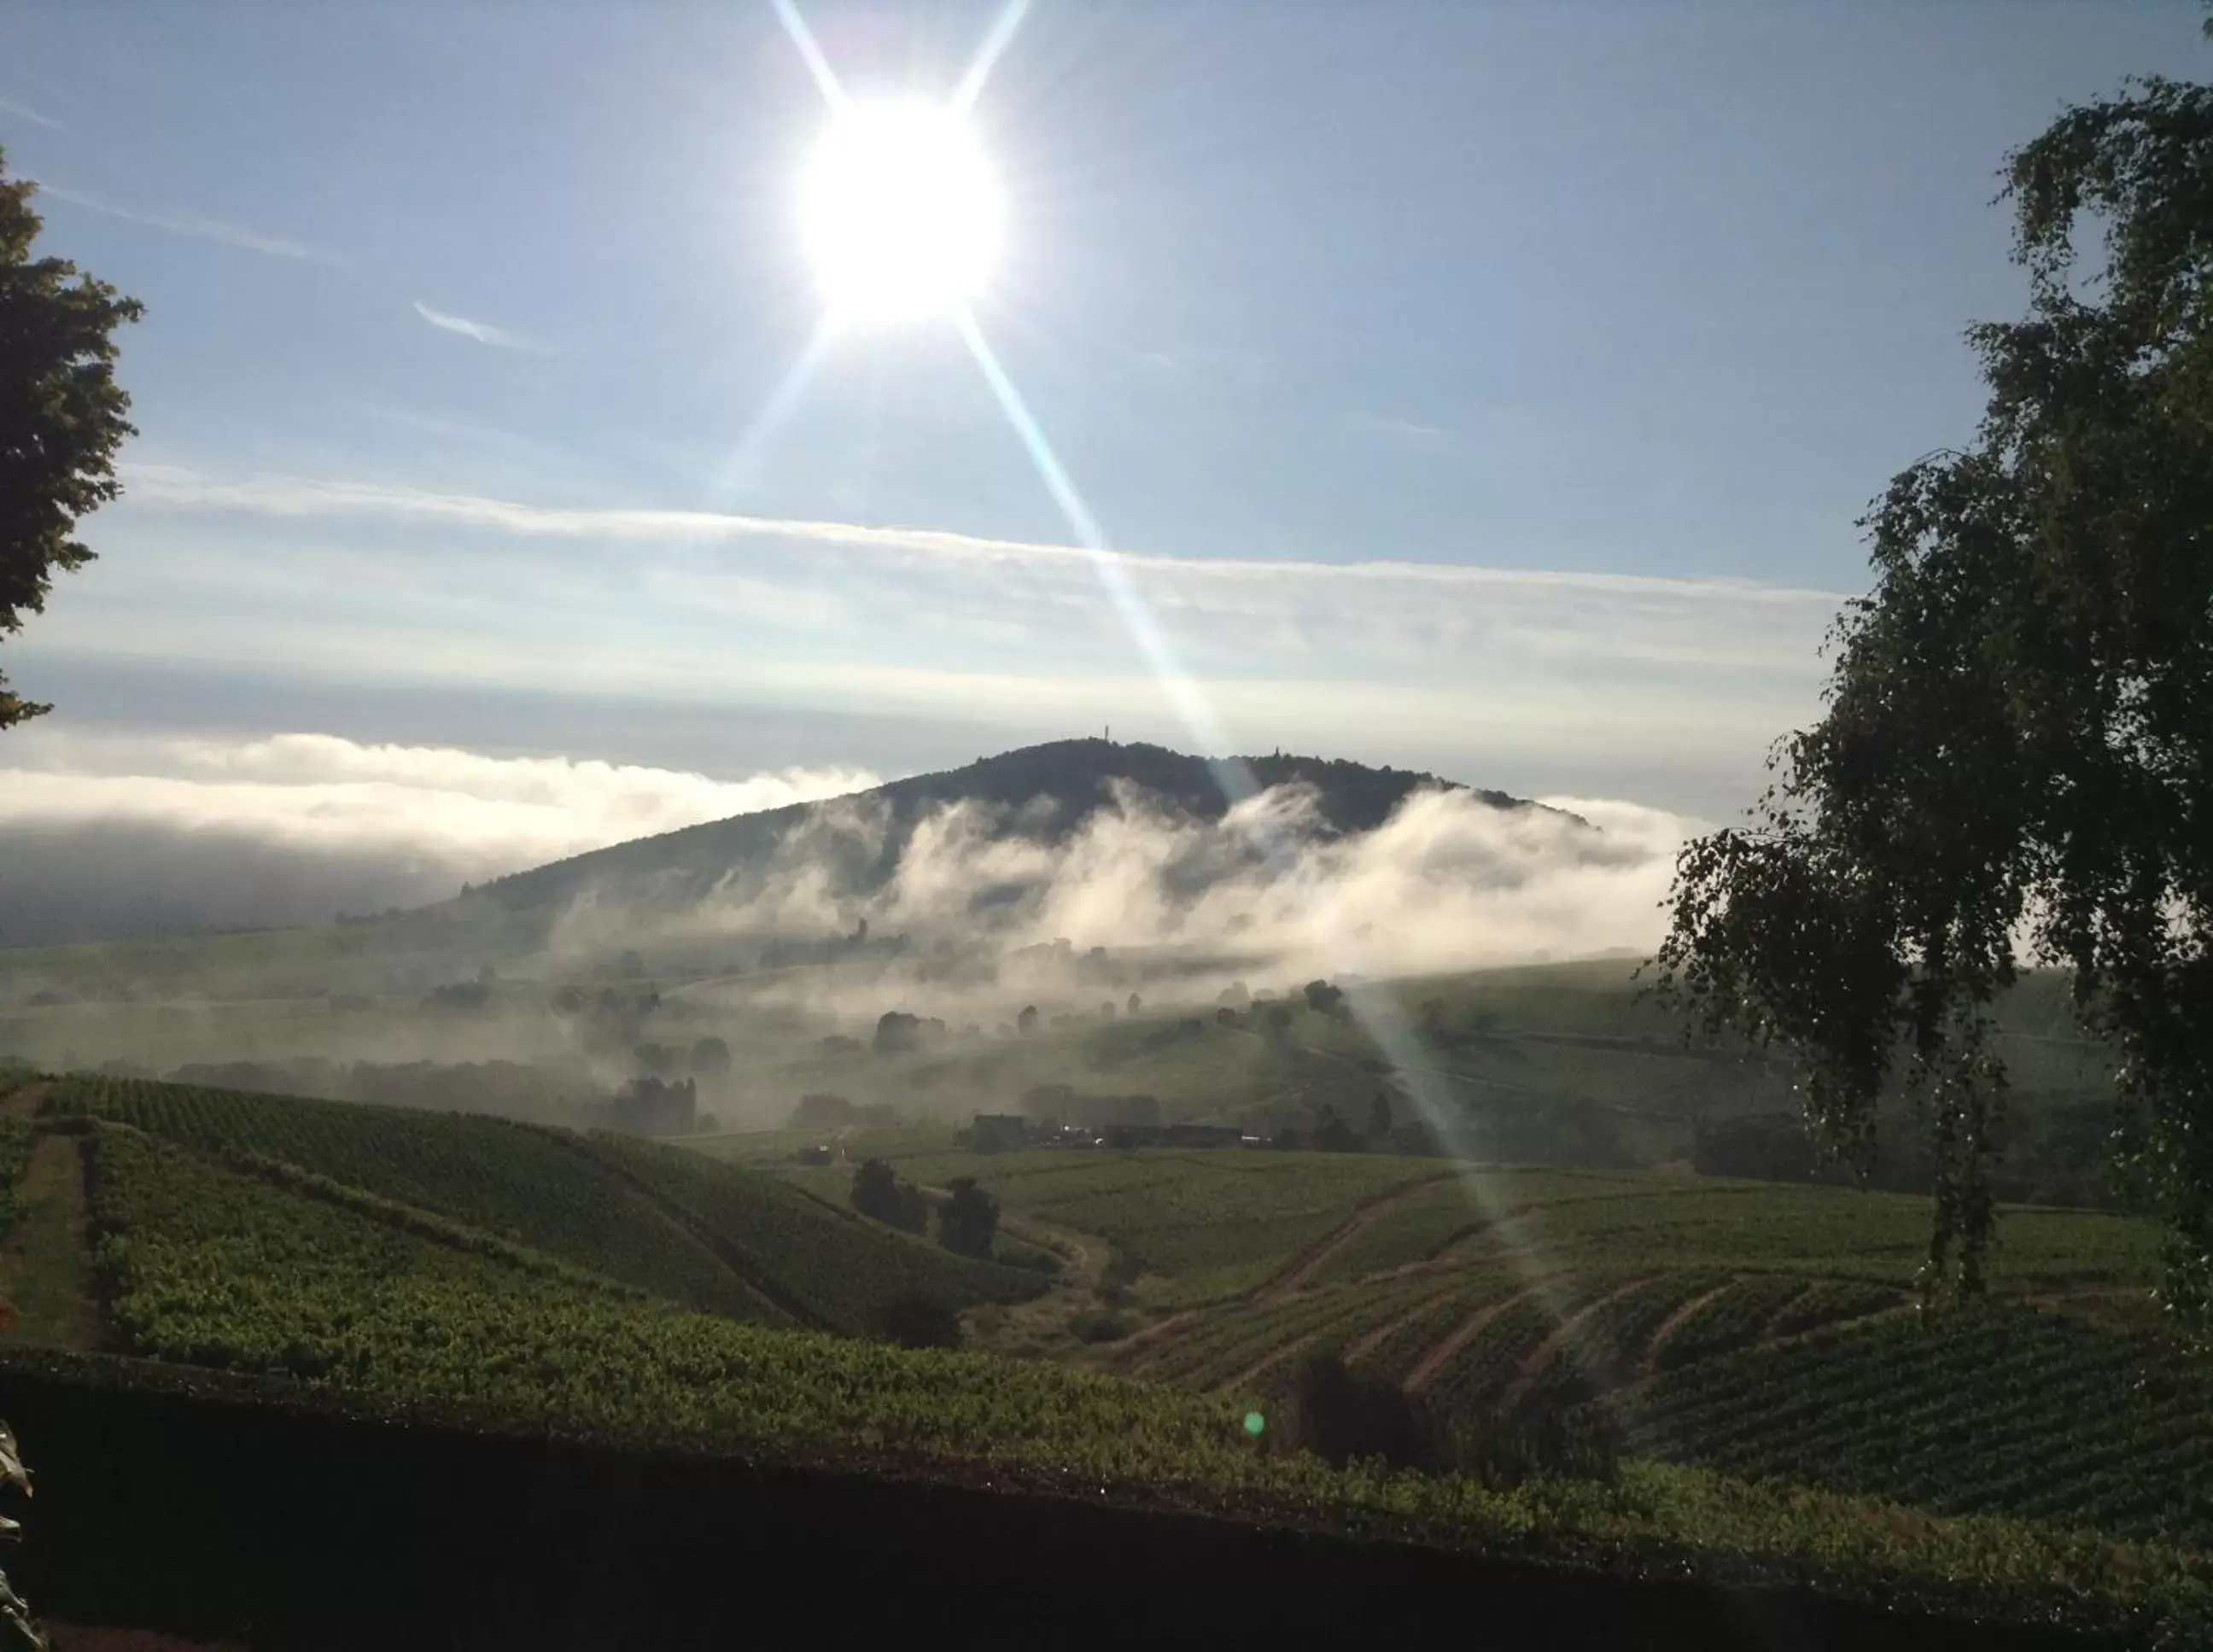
{"points": [[962, 915], [981, 906]]}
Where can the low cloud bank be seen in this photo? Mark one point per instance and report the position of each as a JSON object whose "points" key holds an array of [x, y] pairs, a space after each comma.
{"points": [[110, 835]]}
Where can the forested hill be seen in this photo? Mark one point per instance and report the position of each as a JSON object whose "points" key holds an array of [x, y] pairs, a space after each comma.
{"points": [[1048, 791]]}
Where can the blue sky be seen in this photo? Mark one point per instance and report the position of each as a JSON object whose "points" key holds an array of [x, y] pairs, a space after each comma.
{"points": [[1490, 388]]}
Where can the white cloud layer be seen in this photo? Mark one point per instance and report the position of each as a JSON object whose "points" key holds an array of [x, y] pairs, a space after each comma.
{"points": [[476, 814]]}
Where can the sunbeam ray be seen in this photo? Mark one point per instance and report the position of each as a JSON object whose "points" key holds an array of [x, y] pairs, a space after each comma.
{"points": [[1002, 35], [810, 50], [1378, 1014], [736, 471]]}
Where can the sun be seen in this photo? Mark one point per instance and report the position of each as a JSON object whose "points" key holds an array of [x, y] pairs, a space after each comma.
{"points": [[900, 211]]}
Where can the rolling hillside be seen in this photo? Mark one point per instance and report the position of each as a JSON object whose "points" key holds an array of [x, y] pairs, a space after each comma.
{"points": [[476, 1273], [1770, 1331], [846, 848], [710, 1238]]}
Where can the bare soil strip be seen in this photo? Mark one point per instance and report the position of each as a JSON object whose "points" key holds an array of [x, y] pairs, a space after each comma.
{"points": [[75, 1637], [1269, 1361], [46, 1263], [1648, 1361], [1301, 1268], [1541, 1357], [1367, 1342], [1141, 1345], [23, 1101], [1777, 1338], [1426, 1368]]}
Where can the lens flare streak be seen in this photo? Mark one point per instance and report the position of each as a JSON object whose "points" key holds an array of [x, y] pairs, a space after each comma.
{"points": [[1377, 1014]]}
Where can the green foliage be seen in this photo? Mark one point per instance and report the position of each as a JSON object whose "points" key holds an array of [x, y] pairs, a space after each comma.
{"points": [[1552, 1433], [1323, 998], [211, 1267], [1214, 1222], [2019, 729], [61, 415], [1333, 1135], [879, 1194], [968, 1218], [828, 1268], [15, 1138], [538, 1187], [917, 1321], [1999, 1409], [1346, 1417], [1736, 1318], [1099, 1325]]}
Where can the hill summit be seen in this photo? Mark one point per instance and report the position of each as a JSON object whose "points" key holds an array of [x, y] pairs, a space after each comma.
{"points": [[1042, 793]]}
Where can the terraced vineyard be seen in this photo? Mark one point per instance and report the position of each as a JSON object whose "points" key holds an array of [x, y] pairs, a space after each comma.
{"points": [[1747, 1337], [1209, 1225], [2004, 1409], [205, 1265], [1634, 1291]]}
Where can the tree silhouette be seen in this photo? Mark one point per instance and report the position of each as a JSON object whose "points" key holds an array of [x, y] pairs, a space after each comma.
{"points": [[2017, 757], [968, 1220], [1333, 1135], [61, 415]]}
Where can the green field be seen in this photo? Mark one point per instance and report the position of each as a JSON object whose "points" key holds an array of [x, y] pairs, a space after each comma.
{"points": [[1207, 1225], [1784, 1403], [1479, 1286], [715, 1239]]}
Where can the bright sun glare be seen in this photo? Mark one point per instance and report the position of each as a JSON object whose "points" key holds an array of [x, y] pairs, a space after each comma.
{"points": [[900, 212]]}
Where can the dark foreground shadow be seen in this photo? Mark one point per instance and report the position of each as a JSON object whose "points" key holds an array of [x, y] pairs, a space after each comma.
{"points": [[209, 1514]]}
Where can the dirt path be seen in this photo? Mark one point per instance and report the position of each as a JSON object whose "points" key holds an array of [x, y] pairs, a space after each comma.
{"points": [[1541, 1357], [1063, 1242], [1648, 1361], [1369, 1341], [1300, 1272], [1770, 1339], [1426, 1368], [25, 1100], [46, 1263], [1131, 1353], [1269, 1361], [740, 1267], [76, 1637]]}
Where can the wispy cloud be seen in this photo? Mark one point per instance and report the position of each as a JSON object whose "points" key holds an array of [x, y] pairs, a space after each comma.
{"points": [[1402, 430], [1532, 677], [483, 331], [214, 229], [314, 498], [25, 111]]}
